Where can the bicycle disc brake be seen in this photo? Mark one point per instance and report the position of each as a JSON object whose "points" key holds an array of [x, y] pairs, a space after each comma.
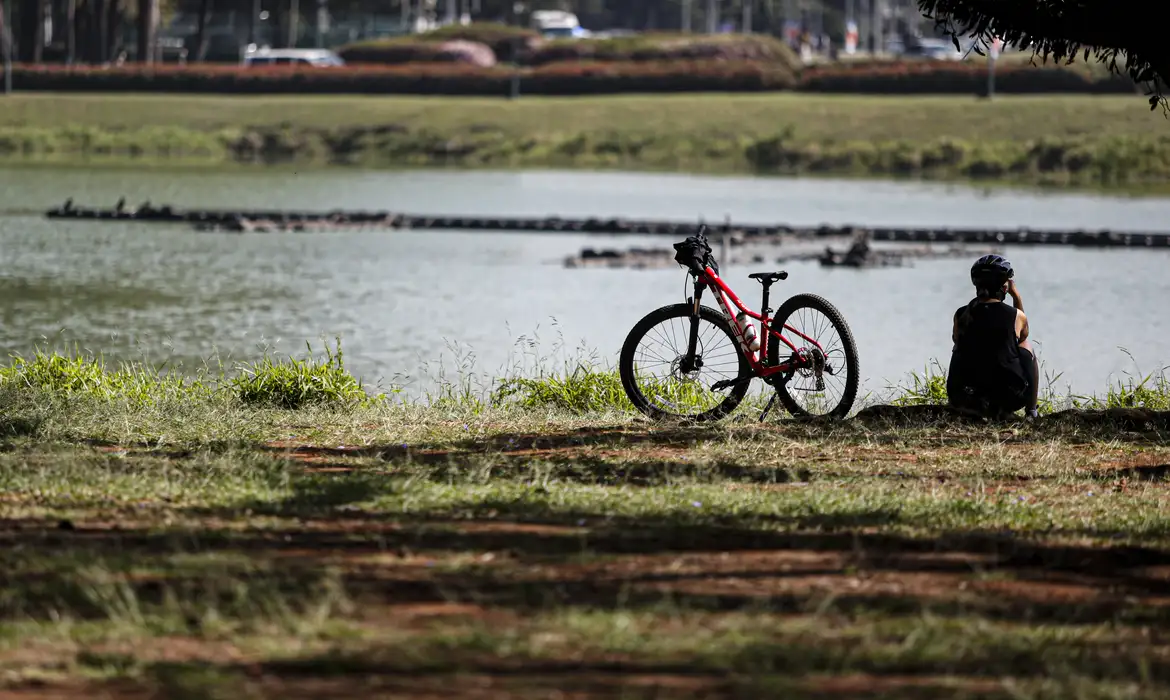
{"points": [[686, 371]]}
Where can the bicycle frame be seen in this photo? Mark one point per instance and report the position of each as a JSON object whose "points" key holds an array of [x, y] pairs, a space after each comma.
{"points": [[726, 299]]}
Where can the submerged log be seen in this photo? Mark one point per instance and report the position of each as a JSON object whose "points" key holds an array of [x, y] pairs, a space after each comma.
{"points": [[739, 234]]}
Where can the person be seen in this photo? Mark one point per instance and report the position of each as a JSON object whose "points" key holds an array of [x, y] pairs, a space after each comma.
{"points": [[993, 369], [858, 252]]}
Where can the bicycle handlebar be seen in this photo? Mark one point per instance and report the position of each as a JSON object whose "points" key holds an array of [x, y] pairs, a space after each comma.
{"points": [[701, 234], [695, 252]]}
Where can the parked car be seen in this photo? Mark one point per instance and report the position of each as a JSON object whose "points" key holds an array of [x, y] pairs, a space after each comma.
{"points": [[320, 58], [557, 24]]}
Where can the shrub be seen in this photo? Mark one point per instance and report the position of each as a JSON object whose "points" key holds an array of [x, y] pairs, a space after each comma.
{"points": [[668, 47], [399, 51], [949, 77], [504, 40]]}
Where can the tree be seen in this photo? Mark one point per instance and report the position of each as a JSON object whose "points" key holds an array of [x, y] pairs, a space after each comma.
{"points": [[31, 31], [201, 31], [147, 30], [1116, 33]]}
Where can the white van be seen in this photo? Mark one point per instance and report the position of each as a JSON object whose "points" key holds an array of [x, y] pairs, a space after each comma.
{"points": [[557, 24], [289, 57]]}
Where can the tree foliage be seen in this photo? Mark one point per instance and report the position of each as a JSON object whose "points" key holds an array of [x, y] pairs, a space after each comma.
{"points": [[1117, 33]]}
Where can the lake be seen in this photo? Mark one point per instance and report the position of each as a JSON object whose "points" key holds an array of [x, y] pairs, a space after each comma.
{"points": [[411, 306]]}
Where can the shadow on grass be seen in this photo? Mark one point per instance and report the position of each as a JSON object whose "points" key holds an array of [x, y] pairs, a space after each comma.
{"points": [[380, 672], [17, 426], [653, 454], [650, 435], [1091, 424], [545, 562], [788, 667]]}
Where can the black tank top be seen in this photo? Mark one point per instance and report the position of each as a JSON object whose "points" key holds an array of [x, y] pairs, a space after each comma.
{"points": [[987, 352]]}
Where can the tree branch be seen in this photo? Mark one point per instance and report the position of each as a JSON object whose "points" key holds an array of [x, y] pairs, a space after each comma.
{"points": [[1096, 24]]}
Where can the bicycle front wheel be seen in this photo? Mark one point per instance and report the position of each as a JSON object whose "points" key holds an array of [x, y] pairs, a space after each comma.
{"points": [[655, 372]]}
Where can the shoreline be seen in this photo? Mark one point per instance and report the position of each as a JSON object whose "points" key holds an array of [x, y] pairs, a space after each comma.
{"points": [[1135, 191], [320, 378], [1051, 183]]}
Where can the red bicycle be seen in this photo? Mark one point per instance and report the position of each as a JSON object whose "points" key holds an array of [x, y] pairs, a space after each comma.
{"points": [[728, 346]]}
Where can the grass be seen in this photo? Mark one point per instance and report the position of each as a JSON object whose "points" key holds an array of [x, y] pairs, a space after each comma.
{"points": [[165, 536], [1062, 139]]}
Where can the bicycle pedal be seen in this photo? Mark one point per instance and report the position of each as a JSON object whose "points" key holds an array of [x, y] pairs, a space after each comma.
{"points": [[728, 383]]}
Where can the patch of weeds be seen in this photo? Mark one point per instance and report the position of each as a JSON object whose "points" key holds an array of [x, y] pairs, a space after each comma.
{"points": [[585, 389], [76, 374], [926, 389], [1150, 391], [292, 383]]}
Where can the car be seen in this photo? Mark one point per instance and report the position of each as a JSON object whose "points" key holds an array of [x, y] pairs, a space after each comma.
{"points": [[557, 24], [319, 58]]}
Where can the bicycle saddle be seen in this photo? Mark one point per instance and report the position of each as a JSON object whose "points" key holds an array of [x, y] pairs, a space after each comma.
{"points": [[768, 277]]}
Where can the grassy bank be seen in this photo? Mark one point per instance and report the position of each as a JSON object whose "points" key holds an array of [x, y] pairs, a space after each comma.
{"points": [[1060, 139], [191, 539]]}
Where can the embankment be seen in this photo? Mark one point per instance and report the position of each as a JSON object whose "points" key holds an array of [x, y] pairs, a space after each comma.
{"points": [[1085, 140]]}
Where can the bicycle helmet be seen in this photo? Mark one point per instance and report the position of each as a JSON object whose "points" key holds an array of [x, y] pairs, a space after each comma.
{"points": [[991, 272]]}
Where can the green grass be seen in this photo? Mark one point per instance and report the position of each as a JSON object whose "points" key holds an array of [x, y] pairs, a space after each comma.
{"points": [[165, 535], [818, 117], [1104, 140]]}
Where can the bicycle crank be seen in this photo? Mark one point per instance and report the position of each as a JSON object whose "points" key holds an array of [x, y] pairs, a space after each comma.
{"points": [[728, 383]]}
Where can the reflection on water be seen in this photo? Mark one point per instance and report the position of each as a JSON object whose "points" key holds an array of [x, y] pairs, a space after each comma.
{"points": [[403, 300]]}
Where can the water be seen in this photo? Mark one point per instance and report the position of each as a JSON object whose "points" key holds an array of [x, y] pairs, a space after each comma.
{"points": [[407, 304]]}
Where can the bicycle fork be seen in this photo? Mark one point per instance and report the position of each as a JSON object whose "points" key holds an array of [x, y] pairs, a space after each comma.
{"points": [[691, 362]]}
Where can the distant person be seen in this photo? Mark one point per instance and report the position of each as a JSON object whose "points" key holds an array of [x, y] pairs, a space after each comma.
{"points": [[993, 370], [858, 253]]}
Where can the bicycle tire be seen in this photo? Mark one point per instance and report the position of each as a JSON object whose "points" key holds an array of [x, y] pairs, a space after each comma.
{"points": [[626, 363], [852, 364]]}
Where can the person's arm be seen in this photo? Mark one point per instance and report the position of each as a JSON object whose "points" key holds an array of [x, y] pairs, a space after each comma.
{"points": [[1017, 300], [1022, 324]]}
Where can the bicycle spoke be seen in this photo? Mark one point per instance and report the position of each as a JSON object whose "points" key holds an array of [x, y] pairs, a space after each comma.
{"points": [[658, 360], [822, 380]]}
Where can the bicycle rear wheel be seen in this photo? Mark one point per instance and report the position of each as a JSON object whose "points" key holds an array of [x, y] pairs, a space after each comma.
{"points": [[826, 383], [653, 372]]}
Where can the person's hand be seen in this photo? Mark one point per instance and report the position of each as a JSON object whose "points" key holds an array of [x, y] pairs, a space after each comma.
{"points": [[1011, 289]]}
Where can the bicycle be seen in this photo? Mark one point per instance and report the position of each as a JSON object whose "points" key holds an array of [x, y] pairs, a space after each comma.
{"points": [[808, 360]]}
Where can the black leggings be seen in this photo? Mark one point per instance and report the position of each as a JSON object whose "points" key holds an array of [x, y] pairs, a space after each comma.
{"points": [[1026, 399], [1032, 372]]}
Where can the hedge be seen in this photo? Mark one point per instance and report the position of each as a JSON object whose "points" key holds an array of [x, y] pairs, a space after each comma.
{"points": [[568, 78], [419, 79], [402, 51], [667, 47], [665, 76], [949, 77]]}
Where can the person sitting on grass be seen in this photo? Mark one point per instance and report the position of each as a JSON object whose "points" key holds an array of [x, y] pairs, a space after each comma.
{"points": [[993, 370]]}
